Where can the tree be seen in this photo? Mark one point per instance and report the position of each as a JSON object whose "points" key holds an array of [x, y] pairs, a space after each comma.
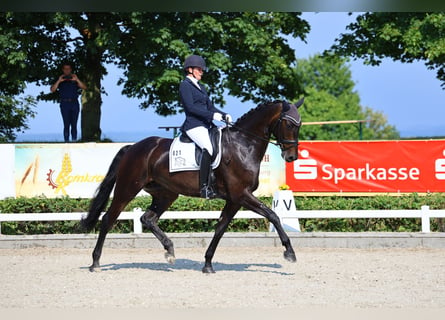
{"points": [[14, 109], [330, 95], [13, 116], [404, 37], [378, 128], [247, 54]]}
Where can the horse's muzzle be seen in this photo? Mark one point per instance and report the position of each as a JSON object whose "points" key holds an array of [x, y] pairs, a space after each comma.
{"points": [[289, 157]]}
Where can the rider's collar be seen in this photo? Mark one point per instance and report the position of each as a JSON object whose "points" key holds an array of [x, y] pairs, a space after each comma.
{"points": [[195, 82]]}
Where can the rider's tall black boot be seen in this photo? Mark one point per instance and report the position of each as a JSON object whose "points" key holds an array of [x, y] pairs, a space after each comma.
{"points": [[204, 176]]}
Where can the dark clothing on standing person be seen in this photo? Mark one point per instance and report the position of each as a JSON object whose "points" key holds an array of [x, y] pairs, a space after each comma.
{"points": [[198, 107], [69, 107], [70, 114]]}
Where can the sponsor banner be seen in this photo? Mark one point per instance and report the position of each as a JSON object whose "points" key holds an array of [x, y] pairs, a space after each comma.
{"points": [[7, 188], [76, 170], [368, 166], [54, 170], [272, 172]]}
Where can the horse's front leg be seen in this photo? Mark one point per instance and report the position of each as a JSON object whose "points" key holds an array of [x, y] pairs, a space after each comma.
{"points": [[250, 202], [227, 214]]}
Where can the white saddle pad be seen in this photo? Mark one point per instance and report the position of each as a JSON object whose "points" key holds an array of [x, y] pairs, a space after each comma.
{"points": [[182, 156]]}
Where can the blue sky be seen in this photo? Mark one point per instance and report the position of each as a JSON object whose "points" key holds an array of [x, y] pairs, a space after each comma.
{"points": [[408, 94]]}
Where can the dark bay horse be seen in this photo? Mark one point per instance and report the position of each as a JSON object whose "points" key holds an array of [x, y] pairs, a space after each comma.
{"points": [[145, 165]]}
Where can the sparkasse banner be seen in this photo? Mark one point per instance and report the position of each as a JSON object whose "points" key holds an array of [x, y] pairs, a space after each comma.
{"points": [[368, 166]]}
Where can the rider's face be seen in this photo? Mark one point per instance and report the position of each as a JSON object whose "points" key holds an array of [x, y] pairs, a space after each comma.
{"points": [[197, 73]]}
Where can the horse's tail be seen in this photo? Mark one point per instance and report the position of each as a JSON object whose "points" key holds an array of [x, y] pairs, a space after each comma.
{"points": [[102, 194]]}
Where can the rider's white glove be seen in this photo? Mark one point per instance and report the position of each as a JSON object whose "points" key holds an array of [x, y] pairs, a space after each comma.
{"points": [[228, 118], [217, 116]]}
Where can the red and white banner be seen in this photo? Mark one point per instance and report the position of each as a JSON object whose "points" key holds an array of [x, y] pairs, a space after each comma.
{"points": [[377, 166], [368, 166]]}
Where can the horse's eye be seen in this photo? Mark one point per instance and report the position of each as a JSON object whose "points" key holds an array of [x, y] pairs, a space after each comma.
{"points": [[289, 126]]}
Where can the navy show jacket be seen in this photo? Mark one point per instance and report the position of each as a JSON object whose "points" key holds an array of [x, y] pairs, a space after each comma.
{"points": [[198, 108]]}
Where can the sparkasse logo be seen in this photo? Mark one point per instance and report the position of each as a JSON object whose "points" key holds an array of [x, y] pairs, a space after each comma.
{"points": [[306, 168], [440, 168]]}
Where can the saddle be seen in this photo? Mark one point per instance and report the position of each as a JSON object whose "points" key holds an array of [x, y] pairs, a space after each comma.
{"points": [[185, 155], [214, 134]]}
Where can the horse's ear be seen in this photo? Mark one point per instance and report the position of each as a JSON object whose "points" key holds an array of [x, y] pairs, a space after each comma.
{"points": [[286, 106], [299, 102]]}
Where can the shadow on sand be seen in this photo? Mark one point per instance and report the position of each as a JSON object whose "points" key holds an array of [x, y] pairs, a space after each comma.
{"points": [[192, 265]]}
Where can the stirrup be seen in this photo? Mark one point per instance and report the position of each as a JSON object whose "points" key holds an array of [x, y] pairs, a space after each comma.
{"points": [[207, 192]]}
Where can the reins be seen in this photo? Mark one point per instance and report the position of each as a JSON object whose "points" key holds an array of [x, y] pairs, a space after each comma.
{"points": [[229, 137], [232, 125]]}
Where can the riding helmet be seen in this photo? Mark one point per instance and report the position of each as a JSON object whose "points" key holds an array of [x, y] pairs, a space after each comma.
{"points": [[194, 61]]}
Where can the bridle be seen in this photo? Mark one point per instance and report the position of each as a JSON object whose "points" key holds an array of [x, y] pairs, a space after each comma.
{"points": [[280, 140]]}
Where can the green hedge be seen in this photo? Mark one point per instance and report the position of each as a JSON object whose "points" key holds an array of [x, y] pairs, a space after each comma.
{"points": [[412, 201]]}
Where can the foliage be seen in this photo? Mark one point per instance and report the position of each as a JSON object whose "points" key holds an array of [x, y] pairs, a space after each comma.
{"points": [[412, 201], [381, 202], [330, 95], [402, 36], [378, 128], [247, 54], [13, 116], [15, 110]]}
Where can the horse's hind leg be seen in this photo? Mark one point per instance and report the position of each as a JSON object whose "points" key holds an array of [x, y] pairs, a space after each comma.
{"points": [[108, 220], [107, 223], [161, 201]]}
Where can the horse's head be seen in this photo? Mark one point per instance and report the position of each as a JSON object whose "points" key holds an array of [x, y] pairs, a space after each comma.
{"points": [[286, 130]]}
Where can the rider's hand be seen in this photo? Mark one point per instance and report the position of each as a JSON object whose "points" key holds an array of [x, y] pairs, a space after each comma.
{"points": [[228, 118], [217, 116]]}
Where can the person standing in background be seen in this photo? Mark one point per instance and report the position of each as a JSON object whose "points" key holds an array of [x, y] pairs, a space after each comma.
{"points": [[69, 85]]}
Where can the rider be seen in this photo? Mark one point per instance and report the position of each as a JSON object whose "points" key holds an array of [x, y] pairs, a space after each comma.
{"points": [[199, 112]]}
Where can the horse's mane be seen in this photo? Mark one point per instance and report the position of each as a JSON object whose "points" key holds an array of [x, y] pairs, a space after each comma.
{"points": [[258, 108]]}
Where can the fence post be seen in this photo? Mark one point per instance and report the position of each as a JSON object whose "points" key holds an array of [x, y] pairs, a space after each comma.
{"points": [[137, 225], [425, 218]]}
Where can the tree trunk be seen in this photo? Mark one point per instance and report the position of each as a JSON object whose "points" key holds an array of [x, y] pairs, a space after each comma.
{"points": [[91, 97]]}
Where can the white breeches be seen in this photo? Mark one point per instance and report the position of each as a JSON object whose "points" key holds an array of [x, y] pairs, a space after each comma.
{"points": [[200, 136]]}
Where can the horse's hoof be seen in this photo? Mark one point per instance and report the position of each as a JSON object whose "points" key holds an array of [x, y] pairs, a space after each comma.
{"points": [[94, 268], [208, 269], [170, 258], [290, 256]]}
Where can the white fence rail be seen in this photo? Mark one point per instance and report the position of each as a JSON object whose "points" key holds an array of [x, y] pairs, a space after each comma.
{"points": [[425, 214]]}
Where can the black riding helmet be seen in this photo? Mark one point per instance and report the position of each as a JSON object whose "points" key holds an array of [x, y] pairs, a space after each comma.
{"points": [[195, 61]]}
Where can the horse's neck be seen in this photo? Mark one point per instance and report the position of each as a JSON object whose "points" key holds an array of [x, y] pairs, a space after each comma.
{"points": [[255, 131], [259, 122]]}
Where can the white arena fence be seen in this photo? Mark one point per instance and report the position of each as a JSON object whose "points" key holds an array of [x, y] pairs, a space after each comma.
{"points": [[425, 214]]}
